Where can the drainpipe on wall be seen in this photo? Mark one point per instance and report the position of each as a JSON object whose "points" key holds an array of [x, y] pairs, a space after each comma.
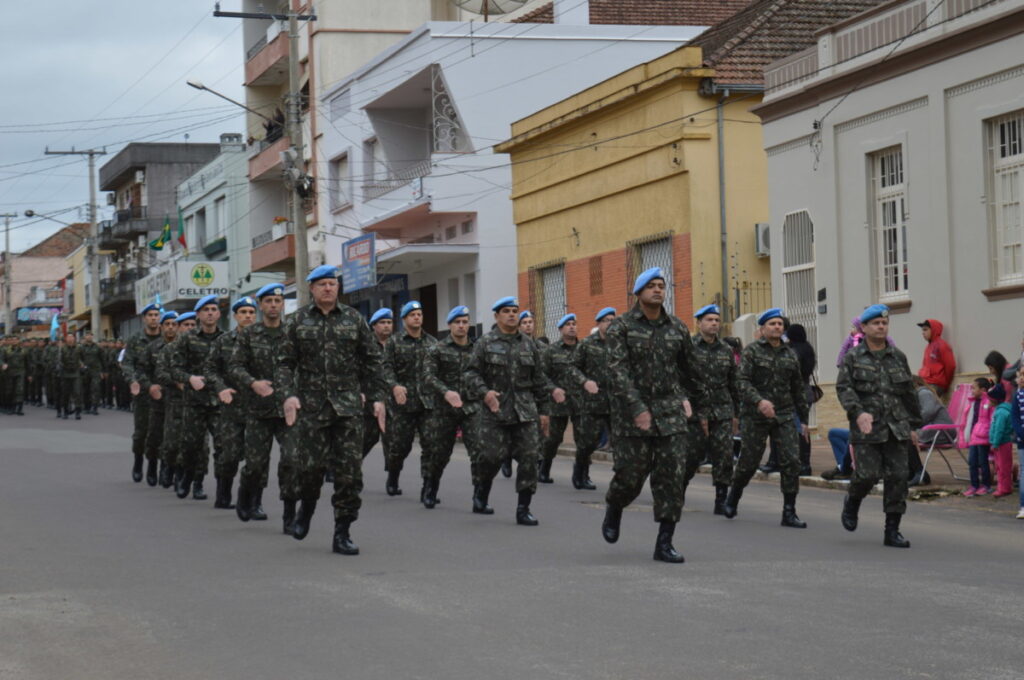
{"points": [[722, 232]]}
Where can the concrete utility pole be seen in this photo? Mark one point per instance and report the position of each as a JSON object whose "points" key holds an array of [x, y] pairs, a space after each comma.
{"points": [[92, 251], [8, 318], [299, 183]]}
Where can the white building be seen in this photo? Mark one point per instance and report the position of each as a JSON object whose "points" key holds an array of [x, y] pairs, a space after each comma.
{"points": [[896, 159], [407, 144]]}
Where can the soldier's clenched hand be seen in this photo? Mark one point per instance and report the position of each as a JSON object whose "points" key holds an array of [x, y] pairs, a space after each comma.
{"points": [[155, 392], [135, 388], [380, 413], [591, 387], [864, 423], [291, 410], [226, 395], [643, 421], [197, 382], [491, 401], [453, 399], [687, 408], [401, 394], [766, 408], [545, 425], [558, 394], [262, 387]]}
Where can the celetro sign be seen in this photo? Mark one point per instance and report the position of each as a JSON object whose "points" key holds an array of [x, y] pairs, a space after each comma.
{"points": [[183, 280]]}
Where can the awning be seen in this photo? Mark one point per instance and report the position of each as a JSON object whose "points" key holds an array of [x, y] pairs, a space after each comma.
{"points": [[391, 224], [415, 257]]}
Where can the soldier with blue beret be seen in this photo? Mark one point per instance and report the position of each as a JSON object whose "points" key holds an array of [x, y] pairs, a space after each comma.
{"points": [[558, 358], [382, 323], [133, 352]]}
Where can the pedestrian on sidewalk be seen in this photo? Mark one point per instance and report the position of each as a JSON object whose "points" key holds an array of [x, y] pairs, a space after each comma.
{"points": [[1000, 437], [1017, 421], [976, 427], [938, 366]]}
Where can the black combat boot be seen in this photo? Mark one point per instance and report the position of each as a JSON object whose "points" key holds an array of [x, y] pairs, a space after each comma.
{"points": [[544, 475], [506, 467], [789, 518], [435, 487], [428, 496], [257, 512], [663, 550], [586, 483], [165, 475], [893, 537], [732, 501], [343, 544], [480, 495], [721, 491], [243, 504], [391, 487], [577, 476], [288, 518], [151, 472], [198, 493], [523, 515], [222, 499], [137, 468], [184, 484], [303, 518], [176, 473], [329, 476], [19, 409], [850, 509], [611, 524], [78, 414]]}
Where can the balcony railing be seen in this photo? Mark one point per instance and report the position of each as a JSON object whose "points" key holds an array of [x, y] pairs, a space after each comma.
{"points": [[271, 235], [255, 49], [135, 212], [397, 180]]}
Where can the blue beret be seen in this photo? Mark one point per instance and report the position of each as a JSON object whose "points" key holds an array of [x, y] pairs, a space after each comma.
{"points": [[186, 316], [509, 301], [203, 301], [243, 302], [168, 316], [566, 319], [384, 313], [409, 307], [874, 312], [708, 309], [769, 314], [270, 289], [526, 313], [150, 307], [647, 277], [457, 311], [324, 271], [605, 312]]}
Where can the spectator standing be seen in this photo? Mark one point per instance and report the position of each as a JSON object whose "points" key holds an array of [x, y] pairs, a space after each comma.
{"points": [[976, 428], [997, 364], [1017, 421], [938, 366], [1000, 437]]}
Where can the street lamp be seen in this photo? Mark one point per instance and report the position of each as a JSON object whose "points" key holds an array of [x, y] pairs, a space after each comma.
{"points": [[199, 86]]}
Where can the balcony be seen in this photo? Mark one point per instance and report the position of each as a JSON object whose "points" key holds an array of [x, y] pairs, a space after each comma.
{"points": [[108, 240], [215, 248], [397, 180], [117, 294], [267, 59], [265, 163], [135, 221], [274, 250]]}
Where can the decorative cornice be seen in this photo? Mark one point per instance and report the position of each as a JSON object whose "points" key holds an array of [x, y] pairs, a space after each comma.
{"points": [[978, 84], [890, 112]]}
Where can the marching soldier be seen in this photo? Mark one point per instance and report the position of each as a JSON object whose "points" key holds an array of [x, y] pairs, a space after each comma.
{"points": [[382, 324], [407, 404], [557, 359], [52, 372], [875, 388], [234, 401], [771, 390], [170, 449], [251, 367], [14, 361], [651, 363], [505, 373], [146, 371], [122, 390], [72, 366], [444, 378], [133, 352], [328, 360], [201, 408], [92, 355], [715, 405]]}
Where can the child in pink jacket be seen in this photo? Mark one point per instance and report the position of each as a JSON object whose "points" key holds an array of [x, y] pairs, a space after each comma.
{"points": [[976, 427]]}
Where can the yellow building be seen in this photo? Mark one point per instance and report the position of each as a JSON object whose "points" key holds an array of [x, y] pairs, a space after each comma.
{"points": [[80, 311]]}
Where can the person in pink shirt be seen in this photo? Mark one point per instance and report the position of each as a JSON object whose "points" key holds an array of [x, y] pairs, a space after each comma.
{"points": [[976, 427]]}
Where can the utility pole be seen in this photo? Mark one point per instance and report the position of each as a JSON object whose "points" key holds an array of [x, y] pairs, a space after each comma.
{"points": [[299, 183], [8, 318], [92, 252]]}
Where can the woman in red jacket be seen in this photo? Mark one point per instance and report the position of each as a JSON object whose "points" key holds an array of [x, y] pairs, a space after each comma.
{"points": [[938, 365]]}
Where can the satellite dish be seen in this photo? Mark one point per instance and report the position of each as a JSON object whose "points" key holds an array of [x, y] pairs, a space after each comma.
{"points": [[489, 7]]}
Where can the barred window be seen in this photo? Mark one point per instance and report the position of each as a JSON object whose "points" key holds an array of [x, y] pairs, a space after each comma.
{"points": [[892, 260], [1006, 184]]}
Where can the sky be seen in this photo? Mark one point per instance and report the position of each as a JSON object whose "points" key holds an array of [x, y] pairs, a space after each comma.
{"points": [[85, 74]]}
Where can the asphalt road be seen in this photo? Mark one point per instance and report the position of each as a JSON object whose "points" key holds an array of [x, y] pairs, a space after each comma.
{"points": [[104, 578]]}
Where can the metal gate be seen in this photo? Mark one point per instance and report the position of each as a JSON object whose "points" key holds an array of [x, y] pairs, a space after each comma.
{"points": [[652, 251], [798, 273], [547, 293]]}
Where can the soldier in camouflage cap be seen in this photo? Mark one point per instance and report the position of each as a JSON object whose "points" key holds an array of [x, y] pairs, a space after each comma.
{"points": [[651, 357], [876, 390], [133, 352], [771, 390]]}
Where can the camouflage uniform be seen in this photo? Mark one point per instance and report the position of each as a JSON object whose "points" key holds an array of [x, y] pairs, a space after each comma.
{"points": [[590, 361], [36, 371], [650, 364], [880, 384], [371, 429], [771, 373], [14, 377], [202, 407], [403, 365], [140, 403], [255, 358], [557, 360], [70, 362], [717, 401], [444, 369], [51, 375], [231, 421], [93, 357], [174, 396], [327, 360], [146, 372]]}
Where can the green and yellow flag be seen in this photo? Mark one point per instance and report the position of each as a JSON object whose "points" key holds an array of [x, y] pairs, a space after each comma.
{"points": [[165, 236]]}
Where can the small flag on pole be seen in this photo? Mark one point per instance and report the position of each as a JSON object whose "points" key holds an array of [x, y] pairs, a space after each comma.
{"points": [[165, 236]]}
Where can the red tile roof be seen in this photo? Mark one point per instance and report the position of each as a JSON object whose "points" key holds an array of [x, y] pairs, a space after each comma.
{"points": [[767, 30], [61, 244], [647, 12]]}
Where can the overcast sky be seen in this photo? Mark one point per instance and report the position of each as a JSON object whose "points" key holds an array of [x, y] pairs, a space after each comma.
{"points": [[87, 74]]}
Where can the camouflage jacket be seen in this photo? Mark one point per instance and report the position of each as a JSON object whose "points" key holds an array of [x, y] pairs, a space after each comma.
{"points": [[16, 359], [173, 393], [133, 350], [147, 365], [35, 360], [216, 372], [771, 373], [510, 365], [69, 360], [403, 365], [92, 355], [556, 361], [590, 361], [651, 364], [329, 359], [444, 369], [255, 358], [188, 357], [50, 354], [881, 384], [715, 370]]}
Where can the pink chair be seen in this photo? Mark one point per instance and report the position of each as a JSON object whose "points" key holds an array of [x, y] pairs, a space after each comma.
{"points": [[958, 410]]}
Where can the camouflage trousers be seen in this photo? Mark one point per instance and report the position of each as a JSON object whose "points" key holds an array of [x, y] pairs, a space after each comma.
{"points": [[231, 424], [586, 433], [155, 428], [556, 435], [887, 461], [755, 434], [196, 422], [140, 416], [91, 389], [71, 394], [260, 434], [520, 441], [439, 441], [716, 444], [325, 440], [171, 442], [661, 458], [398, 438]]}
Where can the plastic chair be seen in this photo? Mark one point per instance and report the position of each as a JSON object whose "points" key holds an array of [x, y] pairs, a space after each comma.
{"points": [[958, 409]]}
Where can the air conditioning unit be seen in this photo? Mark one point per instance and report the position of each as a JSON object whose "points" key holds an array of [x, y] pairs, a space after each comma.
{"points": [[762, 239], [111, 198], [140, 176]]}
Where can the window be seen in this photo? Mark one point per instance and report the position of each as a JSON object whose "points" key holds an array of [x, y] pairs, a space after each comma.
{"points": [[1006, 181], [652, 251], [892, 269], [467, 227], [547, 292], [798, 273], [220, 223], [201, 233], [338, 182], [450, 232], [374, 161], [596, 276]]}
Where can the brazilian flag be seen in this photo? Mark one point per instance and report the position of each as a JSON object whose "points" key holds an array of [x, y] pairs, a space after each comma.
{"points": [[164, 238]]}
